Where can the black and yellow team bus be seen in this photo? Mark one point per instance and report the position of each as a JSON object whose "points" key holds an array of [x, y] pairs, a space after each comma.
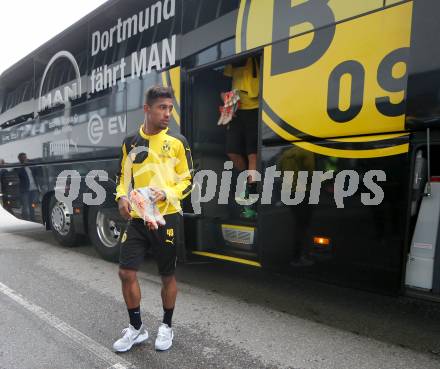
{"points": [[349, 101]]}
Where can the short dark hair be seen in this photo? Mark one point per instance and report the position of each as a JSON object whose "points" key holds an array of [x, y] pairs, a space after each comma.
{"points": [[156, 92]]}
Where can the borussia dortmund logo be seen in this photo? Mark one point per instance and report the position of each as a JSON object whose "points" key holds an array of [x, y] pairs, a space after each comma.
{"points": [[357, 94], [166, 147]]}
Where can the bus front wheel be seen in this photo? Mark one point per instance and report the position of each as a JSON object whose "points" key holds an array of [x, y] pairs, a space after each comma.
{"points": [[104, 231], [61, 223]]}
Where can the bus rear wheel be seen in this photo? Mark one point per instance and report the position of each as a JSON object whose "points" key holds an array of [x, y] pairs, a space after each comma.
{"points": [[105, 231], [61, 223]]}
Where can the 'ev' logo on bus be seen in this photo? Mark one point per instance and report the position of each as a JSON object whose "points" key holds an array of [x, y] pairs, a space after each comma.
{"points": [[59, 96], [109, 126], [95, 129]]}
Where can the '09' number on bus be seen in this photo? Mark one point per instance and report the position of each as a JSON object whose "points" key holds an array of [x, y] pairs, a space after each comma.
{"points": [[385, 79], [319, 14]]}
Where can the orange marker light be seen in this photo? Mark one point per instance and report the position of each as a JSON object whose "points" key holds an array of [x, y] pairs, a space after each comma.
{"points": [[77, 210], [321, 241]]}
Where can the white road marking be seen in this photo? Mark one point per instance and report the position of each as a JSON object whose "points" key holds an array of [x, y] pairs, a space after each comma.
{"points": [[117, 366], [81, 339], [18, 232]]}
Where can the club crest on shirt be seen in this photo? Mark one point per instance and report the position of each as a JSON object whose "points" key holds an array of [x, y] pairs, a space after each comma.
{"points": [[165, 149]]}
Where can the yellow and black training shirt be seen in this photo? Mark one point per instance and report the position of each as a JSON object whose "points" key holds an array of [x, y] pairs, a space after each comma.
{"points": [[162, 160], [245, 79]]}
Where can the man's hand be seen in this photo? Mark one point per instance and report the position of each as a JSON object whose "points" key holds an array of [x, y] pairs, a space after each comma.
{"points": [[124, 207], [158, 194], [150, 226]]}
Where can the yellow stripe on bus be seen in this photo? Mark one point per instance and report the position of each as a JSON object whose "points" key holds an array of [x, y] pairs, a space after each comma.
{"points": [[238, 28], [173, 112], [350, 154], [240, 228], [228, 258]]}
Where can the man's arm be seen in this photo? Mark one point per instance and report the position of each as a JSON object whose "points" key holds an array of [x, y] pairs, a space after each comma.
{"points": [[184, 172], [122, 187]]}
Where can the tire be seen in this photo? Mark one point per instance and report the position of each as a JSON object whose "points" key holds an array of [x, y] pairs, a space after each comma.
{"points": [[105, 229], [61, 223]]}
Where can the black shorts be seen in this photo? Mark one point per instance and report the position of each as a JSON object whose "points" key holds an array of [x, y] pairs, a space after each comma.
{"points": [[137, 239], [242, 133]]}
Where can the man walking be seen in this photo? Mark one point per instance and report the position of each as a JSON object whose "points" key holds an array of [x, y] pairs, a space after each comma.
{"points": [[160, 160]]}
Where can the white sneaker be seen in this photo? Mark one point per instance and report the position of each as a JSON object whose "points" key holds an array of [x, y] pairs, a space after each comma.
{"points": [[242, 198], [130, 337], [164, 338]]}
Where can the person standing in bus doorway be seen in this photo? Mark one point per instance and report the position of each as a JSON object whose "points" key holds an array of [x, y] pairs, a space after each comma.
{"points": [[160, 160], [242, 131], [28, 188]]}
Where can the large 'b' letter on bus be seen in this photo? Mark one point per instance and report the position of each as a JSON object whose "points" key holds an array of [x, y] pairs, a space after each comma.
{"points": [[315, 12]]}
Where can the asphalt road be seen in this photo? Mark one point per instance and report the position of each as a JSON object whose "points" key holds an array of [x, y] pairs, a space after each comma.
{"points": [[62, 308]]}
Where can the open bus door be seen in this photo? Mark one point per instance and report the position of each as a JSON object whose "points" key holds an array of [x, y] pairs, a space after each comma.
{"points": [[421, 267], [218, 229], [422, 272]]}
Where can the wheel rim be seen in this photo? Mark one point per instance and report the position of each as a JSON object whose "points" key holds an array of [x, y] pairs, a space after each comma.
{"points": [[107, 229], [61, 218]]}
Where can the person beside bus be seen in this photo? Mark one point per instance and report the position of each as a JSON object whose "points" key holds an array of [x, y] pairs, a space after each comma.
{"points": [[160, 160], [242, 131], [28, 187], [3, 171]]}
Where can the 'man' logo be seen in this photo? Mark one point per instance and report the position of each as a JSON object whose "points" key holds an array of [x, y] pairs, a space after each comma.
{"points": [[60, 96]]}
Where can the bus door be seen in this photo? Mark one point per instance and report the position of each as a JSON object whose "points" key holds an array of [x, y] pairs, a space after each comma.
{"points": [[421, 269], [225, 222], [422, 272]]}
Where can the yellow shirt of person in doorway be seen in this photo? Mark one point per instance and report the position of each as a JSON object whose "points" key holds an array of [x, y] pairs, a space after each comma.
{"points": [[246, 80]]}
